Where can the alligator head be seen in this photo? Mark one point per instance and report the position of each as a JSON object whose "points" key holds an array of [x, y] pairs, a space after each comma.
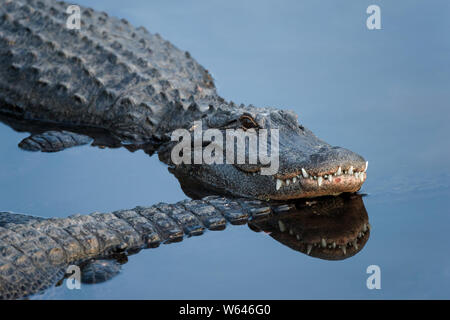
{"points": [[137, 90], [307, 166]]}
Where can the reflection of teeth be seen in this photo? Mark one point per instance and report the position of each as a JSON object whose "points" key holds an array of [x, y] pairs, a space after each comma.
{"points": [[330, 178], [350, 171], [367, 164], [288, 182], [322, 243], [319, 181], [282, 226], [294, 179], [339, 171]]}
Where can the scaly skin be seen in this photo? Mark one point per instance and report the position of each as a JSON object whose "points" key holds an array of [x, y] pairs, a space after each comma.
{"points": [[34, 252], [123, 86]]}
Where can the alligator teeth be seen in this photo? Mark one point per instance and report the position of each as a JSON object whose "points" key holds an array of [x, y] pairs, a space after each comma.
{"points": [[365, 227], [282, 226], [344, 250], [304, 173], [298, 237], [355, 244], [319, 181], [324, 243], [291, 232], [309, 249], [334, 245], [279, 183]]}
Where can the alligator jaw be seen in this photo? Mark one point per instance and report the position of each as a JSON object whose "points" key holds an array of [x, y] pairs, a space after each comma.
{"points": [[306, 184], [234, 181]]}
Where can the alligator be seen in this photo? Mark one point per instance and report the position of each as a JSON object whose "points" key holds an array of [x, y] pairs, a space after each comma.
{"points": [[113, 85], [38, 253]]}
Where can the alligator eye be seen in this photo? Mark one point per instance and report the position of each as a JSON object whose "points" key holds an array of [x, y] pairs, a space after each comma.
{"points": [[247, 122]]}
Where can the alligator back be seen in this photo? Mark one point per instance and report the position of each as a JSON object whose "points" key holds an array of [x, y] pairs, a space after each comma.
{"points": [[107, 74]]}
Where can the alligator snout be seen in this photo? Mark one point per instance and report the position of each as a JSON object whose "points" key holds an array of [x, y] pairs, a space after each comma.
{"points": [[329, 170], [328, 160]]}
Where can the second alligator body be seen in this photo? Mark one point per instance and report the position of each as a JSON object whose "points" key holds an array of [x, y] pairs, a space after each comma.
{"points": [[36, 252]]}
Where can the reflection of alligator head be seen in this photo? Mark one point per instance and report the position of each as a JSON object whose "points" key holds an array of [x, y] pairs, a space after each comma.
{"points": [[331, 228]]}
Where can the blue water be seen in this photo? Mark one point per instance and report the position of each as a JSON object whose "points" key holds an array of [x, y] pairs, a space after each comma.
{"points": [[383, 93]]}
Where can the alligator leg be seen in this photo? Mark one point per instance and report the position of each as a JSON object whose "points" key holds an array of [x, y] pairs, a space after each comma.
{"points": [[100, 270], [53, 141]]}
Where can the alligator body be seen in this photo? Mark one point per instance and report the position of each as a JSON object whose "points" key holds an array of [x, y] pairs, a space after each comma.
{"points": [[114, 85], [35, 252], [121, 86]]}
